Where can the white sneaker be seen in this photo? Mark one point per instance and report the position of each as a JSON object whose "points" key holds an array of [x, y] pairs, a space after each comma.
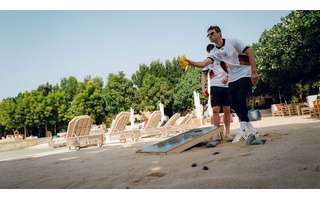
{"points": [[250, 129], [240, 136], [241, 133]]}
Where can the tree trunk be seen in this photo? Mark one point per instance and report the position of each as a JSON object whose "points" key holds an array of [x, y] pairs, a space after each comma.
{"points": [[39, 132], [25, 132], [46, 129]]}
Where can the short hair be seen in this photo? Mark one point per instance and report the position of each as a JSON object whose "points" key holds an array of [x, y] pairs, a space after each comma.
{"points": [[210, 47], [216, 28]]}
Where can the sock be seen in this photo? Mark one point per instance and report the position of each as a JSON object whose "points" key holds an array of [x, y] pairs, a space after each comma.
{"points": [[243, 126], [249, 125]]}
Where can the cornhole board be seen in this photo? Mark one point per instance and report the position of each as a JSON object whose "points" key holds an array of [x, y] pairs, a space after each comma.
{"points": [[183, 141]]}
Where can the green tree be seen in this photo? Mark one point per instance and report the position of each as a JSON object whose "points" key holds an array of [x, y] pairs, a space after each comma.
{"points": [[7, 115], [70, 87], [169, 70], [153, 90], [288, 54], [137, 78], [183, 93], [119, 94], [59, 110], [90, 101]]}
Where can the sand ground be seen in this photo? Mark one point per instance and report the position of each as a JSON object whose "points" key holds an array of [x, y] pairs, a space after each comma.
{"points": [[289, 159]]}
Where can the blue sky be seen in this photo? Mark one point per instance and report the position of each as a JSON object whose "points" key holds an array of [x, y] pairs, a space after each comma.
{"points": [[44, 46]]}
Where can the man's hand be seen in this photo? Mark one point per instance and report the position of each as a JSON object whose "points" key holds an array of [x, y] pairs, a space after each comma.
{"points": [[199, 64], [183, 62], [254, 77]]}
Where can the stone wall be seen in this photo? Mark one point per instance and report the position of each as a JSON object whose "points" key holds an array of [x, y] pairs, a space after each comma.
{"points": [[20, 144]]}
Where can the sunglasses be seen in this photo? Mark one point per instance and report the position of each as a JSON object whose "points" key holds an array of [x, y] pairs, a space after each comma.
{"points": [[210, 34]]}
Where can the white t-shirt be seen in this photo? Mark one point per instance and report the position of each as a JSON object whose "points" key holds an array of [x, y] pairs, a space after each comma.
{"points": [[219, 75], [232, 53]]}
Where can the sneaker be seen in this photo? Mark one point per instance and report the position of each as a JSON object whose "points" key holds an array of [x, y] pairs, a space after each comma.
{"points": [[228, 138], [252, 140], [241, 135], [213, 143]]}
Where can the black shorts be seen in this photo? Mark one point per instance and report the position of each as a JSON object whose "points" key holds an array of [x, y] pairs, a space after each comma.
{"points": [[220, 96]]}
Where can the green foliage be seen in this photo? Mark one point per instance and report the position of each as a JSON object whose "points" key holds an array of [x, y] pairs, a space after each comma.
{"points": [[70, 87], [169, 73], [118, 94], [7, 113], [153, 91], [294, 99], [183, 92], [169, 70], [288, 54], [90, 101]]}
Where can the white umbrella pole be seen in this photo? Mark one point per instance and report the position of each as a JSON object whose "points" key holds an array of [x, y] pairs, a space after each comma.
{"points": [[132, 118], [161, 111]]}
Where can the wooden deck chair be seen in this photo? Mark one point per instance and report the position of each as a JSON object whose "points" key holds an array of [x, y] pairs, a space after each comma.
{"points": [[82, 126], [289, 110], [71, 126], [170, 127], [152, 126], [80, 136], [184, 125], [154, 120], [186, 119], [172, 121], [118, 126], [316, 111], [61, 142], [277, 110], [310, 108], [119, 123]]}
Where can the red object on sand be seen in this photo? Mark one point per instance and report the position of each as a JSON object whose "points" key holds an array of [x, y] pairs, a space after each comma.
{"points": [[280, 106]]}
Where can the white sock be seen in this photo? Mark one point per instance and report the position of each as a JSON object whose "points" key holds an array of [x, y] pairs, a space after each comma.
{"points": [[251, 128], [243, 126], [249, 125]]}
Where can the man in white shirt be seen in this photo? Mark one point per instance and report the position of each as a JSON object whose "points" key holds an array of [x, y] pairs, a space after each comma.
{"points": [[240, 60], [219, 95]]}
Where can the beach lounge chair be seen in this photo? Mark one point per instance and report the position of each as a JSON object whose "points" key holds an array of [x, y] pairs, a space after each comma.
{"points": [[316, 111], [309, 110], [78, 134], [290, 109], [61, 141], [171, 126], [277, 110], [118, 126], [184, 124], [152, 126], [282, 110]]}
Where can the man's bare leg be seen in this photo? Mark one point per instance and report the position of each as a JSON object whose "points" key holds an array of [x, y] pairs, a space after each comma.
{"points": [[215, 120], [226, 120]]}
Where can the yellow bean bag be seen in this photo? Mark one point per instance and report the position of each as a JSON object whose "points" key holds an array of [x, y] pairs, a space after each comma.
{"points": [[183, 62]]}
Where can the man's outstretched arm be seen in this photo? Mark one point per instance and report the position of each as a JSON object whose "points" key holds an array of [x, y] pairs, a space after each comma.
{"points": [[252, 60], [200, 64]]}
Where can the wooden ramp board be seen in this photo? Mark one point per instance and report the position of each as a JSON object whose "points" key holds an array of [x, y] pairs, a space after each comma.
{"points": [[183, 141]]}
